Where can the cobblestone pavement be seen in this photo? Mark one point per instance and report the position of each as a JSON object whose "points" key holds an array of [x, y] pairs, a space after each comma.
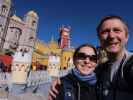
{"points": [[25, 96], [35, 78]]}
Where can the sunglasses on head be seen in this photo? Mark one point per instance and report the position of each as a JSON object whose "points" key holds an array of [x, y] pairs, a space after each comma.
{"points": [[83, 56]]}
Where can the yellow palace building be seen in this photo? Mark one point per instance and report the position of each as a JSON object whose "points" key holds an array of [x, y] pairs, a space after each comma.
{"points": [[60, 49]]}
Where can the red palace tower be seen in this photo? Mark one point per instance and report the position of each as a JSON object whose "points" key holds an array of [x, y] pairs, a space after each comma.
{"points": [[64, 40]]}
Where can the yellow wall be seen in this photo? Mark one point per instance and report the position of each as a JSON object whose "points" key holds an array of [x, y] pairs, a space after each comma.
{"points": [[66, 55], [42, 51], [41, 47]]}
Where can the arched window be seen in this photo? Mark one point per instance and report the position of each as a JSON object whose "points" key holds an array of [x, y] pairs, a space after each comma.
{"points": [[15, 37], [1, 30], [4, 10], [33, 23]]}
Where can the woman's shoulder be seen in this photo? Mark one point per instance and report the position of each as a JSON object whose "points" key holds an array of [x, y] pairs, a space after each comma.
{"points": [[69, 77]]}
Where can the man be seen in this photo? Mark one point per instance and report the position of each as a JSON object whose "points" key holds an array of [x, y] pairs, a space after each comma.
{"points": [[115, 77]]}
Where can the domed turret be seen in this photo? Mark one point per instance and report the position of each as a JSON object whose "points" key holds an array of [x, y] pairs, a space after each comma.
{"points": [[14, 17], [31, 19], [32, 13], [5, 6], [7, 2]]}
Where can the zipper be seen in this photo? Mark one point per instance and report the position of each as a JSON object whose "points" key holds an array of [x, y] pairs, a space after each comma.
{"points": [[78, 91]]}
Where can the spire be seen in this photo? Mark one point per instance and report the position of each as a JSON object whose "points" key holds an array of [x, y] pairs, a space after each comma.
{"points": [[52, 38]]}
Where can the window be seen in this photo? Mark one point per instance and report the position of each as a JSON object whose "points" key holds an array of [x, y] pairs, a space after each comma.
{"points": [[4, 10], [33, 23], [1, 29], [16, 32]]}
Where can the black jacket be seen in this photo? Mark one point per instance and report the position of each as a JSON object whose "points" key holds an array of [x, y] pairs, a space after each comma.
{"points": [[74, 89], [121, 87]]}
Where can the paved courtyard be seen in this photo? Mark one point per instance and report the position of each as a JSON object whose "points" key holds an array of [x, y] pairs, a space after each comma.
{"points": [[34, 79]]}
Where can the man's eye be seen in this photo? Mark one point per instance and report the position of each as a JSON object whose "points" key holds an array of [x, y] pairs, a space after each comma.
{"points": [[105, 31], [117, 30]]}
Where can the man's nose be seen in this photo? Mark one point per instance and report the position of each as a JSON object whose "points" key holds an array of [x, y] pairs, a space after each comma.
{"points": [[111, 33]]}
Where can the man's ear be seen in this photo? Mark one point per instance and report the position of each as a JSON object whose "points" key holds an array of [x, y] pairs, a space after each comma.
{"points": [[127, 37]]}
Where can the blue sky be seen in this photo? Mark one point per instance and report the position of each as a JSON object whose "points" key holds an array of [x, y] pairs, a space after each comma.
{"points": [[82, 15]]}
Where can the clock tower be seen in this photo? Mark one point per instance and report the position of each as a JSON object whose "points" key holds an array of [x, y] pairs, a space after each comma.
{"points": [[64, 40]]}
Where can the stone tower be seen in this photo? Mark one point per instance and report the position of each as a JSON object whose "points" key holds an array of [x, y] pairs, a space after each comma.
{"points": [[27, 39], [14, 31], [5, 6]]}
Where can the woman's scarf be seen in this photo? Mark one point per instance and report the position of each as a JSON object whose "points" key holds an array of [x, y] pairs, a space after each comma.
{"points": [[90, 78]]}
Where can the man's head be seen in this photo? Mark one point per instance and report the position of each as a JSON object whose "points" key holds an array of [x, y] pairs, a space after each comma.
{"points": [[113, 34]]}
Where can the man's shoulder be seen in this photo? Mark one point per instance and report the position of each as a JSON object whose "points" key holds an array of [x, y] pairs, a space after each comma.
{"points": [[101, 67], [128, 53], [129, 58]]}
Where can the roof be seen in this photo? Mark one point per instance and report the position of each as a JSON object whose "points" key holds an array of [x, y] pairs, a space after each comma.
{"points": [[7, 1], [16, 18], [32, 13]]}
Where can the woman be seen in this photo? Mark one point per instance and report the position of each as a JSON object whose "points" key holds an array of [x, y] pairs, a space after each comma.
{"points": [[80, 83]]}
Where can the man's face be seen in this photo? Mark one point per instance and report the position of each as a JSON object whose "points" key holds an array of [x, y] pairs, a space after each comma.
{"points": [[113, 36]]}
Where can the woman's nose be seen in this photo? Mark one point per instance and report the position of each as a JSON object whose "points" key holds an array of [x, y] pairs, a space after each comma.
{"points": [[87, 60]]}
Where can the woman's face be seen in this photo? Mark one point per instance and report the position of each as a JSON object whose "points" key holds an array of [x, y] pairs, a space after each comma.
{"points": [[86, 60]]}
